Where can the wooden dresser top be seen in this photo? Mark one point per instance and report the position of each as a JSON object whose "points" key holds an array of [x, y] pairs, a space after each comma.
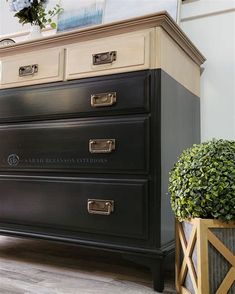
{"points": [[161, 19]]}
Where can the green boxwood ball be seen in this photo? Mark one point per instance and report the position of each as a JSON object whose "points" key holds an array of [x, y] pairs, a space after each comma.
{"points": [[202, 182]]}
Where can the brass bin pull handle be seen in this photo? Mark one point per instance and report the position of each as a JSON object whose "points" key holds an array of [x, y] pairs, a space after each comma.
{"points": [[104, 57], [103, 99], [100, 206], [28, 70], [101, 145]]}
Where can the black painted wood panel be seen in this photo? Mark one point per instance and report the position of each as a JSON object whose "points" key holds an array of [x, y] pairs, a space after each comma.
{"points": [[62, 204], [47, 173], [180, 129], [73, 99], [64, 145]]}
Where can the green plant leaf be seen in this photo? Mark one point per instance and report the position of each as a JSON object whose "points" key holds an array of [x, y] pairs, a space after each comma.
{"points": [[53, 25], [202, 181]]}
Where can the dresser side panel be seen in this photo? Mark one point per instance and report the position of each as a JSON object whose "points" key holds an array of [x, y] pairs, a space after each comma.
{"points": [[171, 58], [180, 129]]}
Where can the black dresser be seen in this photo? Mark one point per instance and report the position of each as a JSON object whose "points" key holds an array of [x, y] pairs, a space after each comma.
{"points": [[86, 159]]}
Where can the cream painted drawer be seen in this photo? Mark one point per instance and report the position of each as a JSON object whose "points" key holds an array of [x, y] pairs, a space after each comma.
{"points": [[130, 52], [32, 68]]}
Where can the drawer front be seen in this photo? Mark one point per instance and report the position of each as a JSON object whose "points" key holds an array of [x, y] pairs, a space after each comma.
{"points": [[119, 93], [64, 205], [32, 68], [97, 145], [127, 52]]}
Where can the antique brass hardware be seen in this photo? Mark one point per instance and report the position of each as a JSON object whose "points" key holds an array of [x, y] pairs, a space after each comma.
{"points": [[28, 70], [104, 57], [99, 206], [101, 145], [103, 99]]}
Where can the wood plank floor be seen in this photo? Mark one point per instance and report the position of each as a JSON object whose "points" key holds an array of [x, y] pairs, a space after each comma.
{"points": [[41, 267]]}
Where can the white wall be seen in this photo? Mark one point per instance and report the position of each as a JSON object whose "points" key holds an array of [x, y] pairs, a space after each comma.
{"points": [[122, 9], [210, 24], [114, 10], [8, 23]]}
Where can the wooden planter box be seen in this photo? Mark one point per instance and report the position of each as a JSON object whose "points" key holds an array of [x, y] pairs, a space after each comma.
{"points": [[205, 260]]}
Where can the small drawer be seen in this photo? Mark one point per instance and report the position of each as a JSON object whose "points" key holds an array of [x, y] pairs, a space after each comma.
{"points": [[100, 206], [127, 52], [115, 94], [84, 145], [32, 68]]}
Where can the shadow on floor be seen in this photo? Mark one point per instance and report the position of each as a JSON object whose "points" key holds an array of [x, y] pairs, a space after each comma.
{"points": [[69, 257]]}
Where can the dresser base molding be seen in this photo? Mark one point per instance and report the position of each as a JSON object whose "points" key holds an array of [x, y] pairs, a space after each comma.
{"points": [[160, 252]]}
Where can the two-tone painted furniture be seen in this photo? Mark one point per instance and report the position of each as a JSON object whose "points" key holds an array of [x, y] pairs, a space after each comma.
{"points": [[91, 121]]}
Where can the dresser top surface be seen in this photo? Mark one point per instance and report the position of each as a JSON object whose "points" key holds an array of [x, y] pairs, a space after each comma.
{"points": [[160, 19]]}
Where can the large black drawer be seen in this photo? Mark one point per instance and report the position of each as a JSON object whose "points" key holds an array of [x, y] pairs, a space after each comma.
{"points": [[69, 145], [73, 99], [61, 204]]}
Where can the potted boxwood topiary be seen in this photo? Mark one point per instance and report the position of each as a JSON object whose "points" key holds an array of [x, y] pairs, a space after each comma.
{"points": [[202, 188]]}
